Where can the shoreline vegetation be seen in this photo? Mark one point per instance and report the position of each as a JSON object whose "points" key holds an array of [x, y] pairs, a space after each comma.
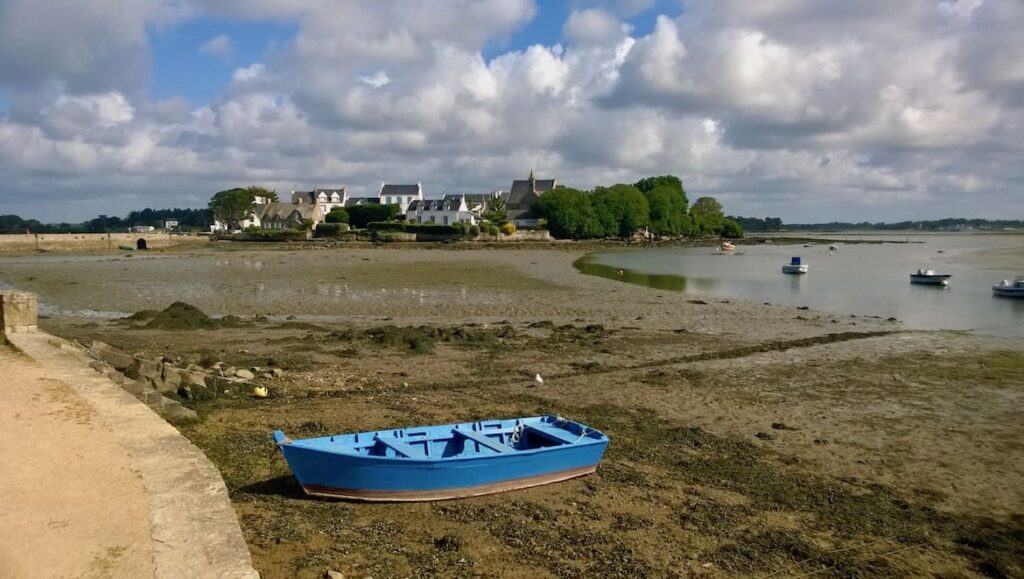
{"points": [[746, 439]]}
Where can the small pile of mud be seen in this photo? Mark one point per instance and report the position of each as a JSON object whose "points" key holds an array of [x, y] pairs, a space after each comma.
{"points": [[181, 316]]}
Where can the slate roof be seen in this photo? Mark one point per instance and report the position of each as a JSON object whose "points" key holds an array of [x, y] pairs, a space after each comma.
{"points": [[351, 201], [390, 189], [473, 199], [448, 203], [521, 197]]}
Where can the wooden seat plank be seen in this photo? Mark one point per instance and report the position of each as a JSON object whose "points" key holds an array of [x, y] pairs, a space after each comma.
{"points": [[398, 446], [554, 433], [479, 437]]}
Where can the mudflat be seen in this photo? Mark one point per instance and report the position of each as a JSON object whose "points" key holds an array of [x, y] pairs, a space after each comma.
{"points": [[745, 439]]}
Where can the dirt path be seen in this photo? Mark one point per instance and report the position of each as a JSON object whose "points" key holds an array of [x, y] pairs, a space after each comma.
{"points": [[72, 506]]}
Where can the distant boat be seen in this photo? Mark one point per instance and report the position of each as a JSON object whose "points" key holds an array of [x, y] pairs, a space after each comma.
{"points": [[833, 247], [1010, 289], [429, 463], [726, 246], [794, 266], [929, 277]]}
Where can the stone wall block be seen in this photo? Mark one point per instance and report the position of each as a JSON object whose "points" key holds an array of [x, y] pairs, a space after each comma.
{"points": [[142, 368], [18, 312], [111, 355]]}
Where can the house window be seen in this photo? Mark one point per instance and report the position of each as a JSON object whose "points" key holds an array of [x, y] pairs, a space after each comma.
{"points": [[446, 220]]}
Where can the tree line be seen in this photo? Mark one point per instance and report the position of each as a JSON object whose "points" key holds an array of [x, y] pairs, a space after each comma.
{"points": [[655, 204], [188, 220], [948, 224]]}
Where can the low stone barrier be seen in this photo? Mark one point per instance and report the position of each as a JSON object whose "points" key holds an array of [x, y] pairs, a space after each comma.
{"points": [[18, 312], [60, 242]]}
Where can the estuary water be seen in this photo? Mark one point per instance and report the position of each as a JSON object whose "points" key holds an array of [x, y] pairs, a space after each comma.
{"points": [[858, 278]]}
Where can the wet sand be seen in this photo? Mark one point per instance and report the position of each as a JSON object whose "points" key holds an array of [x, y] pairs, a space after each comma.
{"points": [[746, 439]]}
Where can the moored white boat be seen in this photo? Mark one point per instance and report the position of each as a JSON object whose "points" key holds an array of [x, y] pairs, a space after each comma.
{"points": [[929, 277], [795, 266], [726, 246], [1010, 288]]}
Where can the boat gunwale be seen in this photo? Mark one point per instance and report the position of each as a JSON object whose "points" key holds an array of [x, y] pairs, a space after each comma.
{"points": [[347, 452]]}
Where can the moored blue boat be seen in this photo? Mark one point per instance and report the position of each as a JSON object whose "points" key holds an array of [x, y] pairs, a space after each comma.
{"points": [[428, 463]]}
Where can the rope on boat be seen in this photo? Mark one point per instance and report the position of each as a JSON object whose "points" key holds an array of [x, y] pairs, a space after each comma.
{"points": [[517, 434]]}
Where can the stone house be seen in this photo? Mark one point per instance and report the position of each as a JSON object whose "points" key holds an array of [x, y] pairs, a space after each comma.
{"points": [[279, 215], [322, 198], [523, 195]]}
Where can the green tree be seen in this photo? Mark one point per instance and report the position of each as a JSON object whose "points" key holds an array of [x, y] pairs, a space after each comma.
{"points": [[232, 206], [261, 191], [621, 210], [731, 229], [668, 211], [497, 211], [649, 184], [569, 214], [337, 215], [360, 215], [707, 215]]}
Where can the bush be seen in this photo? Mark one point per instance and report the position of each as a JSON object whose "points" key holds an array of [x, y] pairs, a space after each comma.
{"points": [[493, 230], [386, 226], [508, 228], [432, 228], [362, 215], [255, 234], [337, 215], [474, 230], [330, 229], [731, 229]]}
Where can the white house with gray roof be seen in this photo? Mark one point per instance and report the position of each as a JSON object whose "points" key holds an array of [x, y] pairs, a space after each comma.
{"points": [[446, 211], [401, 195]]}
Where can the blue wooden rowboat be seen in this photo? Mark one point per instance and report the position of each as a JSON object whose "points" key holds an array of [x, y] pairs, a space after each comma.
{"points": [[429, 463]]}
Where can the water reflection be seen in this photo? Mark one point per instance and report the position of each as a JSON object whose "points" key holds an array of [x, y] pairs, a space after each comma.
{"points": [[660, 281]]}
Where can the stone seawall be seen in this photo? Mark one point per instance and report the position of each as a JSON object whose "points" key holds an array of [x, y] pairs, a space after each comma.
{"points": [[20, 243]]}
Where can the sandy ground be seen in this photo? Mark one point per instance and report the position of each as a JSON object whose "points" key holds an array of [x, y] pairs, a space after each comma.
{"points": [[71, 505], [747, 440]]}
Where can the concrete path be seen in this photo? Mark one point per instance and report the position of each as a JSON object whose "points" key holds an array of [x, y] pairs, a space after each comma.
{"points": [[72, 505], [94, 484]]}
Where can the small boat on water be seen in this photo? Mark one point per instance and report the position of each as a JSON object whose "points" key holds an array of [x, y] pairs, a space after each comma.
{"points": [[429, 463], [929, 277], [795, 266], [833, 247], [1010, 289], [726, 246]]}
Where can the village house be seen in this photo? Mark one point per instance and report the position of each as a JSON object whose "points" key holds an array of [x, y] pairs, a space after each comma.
{"points": [[445, 211], [252, 219], [323, 199], [523, 195], [401, 195], [477, 203], [290, 215], [353, 201]]}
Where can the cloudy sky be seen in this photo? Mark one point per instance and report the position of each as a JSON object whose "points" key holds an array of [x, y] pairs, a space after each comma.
{"points": [[802, 109]]}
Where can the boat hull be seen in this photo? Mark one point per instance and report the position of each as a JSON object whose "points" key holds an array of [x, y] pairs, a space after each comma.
{"points": [[929, 279], [795, 269], [1008, 292], [328, 469], [410, 496]]}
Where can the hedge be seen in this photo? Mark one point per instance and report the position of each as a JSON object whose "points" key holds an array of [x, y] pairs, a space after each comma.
{"points": [[431, 228], [253, 234], [330, 229]]}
